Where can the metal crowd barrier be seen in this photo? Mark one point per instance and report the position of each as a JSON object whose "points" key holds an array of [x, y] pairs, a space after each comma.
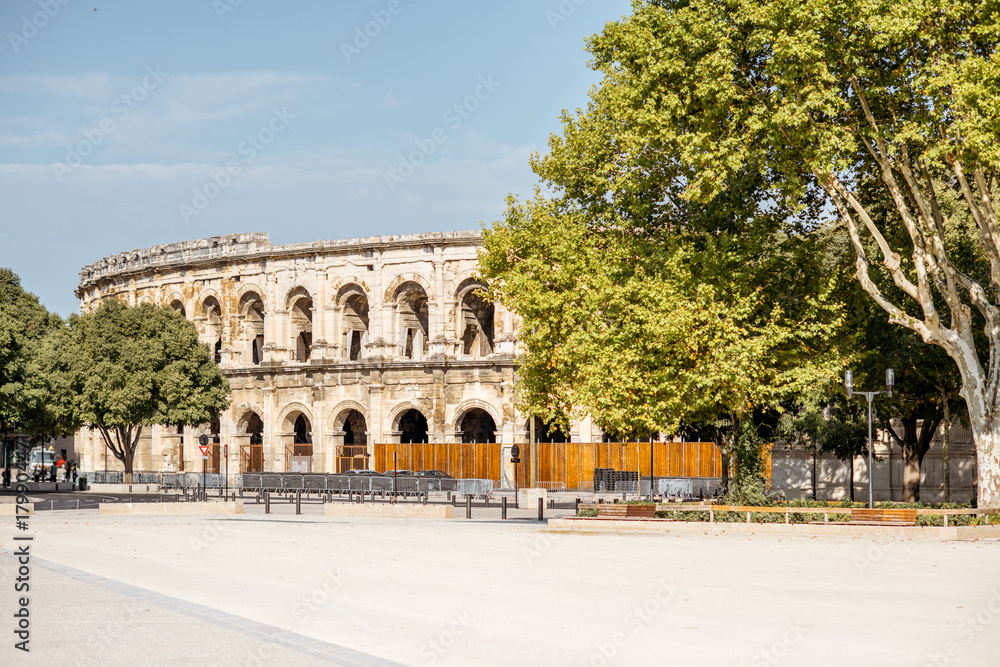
{"points": [[403, 485]]}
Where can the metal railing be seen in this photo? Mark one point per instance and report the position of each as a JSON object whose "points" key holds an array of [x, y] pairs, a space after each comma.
{"points": [[377, 484]]}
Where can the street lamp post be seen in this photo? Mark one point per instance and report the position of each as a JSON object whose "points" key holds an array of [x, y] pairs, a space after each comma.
{"points": [[849, 385]]}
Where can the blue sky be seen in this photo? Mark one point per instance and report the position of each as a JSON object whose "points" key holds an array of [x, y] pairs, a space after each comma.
{"points": [[117, 125]]}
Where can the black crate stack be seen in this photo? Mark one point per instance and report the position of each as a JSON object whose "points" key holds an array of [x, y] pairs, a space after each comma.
{"points": [[605, 479]]}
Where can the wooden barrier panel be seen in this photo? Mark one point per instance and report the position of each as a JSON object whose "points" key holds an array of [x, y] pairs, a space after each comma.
{"points": [[568, 464]]}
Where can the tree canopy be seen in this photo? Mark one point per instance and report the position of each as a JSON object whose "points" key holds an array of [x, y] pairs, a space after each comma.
{"points": [[123, 368], [25, 324], [837, 98]]}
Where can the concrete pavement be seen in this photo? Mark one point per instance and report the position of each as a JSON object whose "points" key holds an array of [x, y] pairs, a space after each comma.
{"points": [[483, 592]]}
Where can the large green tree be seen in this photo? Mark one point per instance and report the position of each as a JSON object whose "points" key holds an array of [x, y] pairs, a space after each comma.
{"points": [[825, 96], [123, 368], [647, 328], [25, 324]]}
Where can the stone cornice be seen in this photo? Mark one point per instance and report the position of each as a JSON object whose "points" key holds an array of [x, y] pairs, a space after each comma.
{"points": [[252, 247]]}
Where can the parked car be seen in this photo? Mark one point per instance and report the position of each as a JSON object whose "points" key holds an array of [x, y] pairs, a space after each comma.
{"points": [[370, 473], [434, 474], [399, 473]]}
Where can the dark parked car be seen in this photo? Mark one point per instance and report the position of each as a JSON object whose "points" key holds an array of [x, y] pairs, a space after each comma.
{"points": [[370, 473], [434, 474], [399, 473]]}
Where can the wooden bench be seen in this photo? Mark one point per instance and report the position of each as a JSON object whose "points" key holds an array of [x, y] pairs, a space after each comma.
{"points": [[627, 511], [884, 517]]}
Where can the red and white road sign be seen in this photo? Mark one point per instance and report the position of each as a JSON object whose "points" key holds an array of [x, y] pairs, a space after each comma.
{"points": [[204, 451]]}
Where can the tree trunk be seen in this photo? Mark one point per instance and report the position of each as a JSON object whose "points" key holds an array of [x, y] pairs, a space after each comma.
{"points": [[946, 449], [851, 462], [912, 458], [128, 462], [987, 437], [914, 446]]}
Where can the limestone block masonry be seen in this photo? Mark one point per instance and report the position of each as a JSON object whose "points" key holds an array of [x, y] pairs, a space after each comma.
{"points": [[328, 347]]}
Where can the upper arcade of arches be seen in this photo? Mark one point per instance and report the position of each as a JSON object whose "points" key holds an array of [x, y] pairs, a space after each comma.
{"points": [[407, 298]]}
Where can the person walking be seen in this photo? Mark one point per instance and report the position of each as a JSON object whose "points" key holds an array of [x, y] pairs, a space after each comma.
{"points": [[6, 477]]}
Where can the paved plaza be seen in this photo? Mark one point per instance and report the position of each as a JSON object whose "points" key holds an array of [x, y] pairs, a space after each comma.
{"points": [[282, 589]]}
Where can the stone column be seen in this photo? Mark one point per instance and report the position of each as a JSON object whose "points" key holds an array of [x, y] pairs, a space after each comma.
{"points": [[170, 451], [237, 442]]}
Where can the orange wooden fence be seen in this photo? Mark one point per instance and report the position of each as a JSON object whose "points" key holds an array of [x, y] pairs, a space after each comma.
{"points": [[564, 463]]}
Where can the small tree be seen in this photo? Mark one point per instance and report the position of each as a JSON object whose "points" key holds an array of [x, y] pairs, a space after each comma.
{"points": [[131, 367]]}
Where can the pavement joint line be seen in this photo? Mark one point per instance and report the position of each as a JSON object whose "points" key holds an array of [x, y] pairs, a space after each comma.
{"points": [[333, 653]]}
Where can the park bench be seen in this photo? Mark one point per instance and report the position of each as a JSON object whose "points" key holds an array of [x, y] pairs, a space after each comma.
{"points": [[628, 511], [884, 517]]}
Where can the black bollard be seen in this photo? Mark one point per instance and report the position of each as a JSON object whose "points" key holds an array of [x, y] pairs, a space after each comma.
{"points": [[298, 503], [468, 507], [541, 510], [267, 503], [503, 508], [577, 505], [453, 498], [487, 502]]}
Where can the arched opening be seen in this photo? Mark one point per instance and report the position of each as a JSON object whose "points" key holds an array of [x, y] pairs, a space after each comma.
{"points": [[353, 454], [178, 307], [298, 442], [476, 325], [303, 431], [548, 432], [354, 322], [212, 312], [477, 425], [252, 454], [413, 315], [252, 425], [301, 321], [252, 322], [413, 427]]}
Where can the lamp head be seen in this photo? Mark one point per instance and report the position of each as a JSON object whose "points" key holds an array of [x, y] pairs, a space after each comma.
{"points": [[889, 381], [849, 383]]}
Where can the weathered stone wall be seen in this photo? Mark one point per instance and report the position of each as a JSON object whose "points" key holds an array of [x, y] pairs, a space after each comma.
{"points": [[379, 326], [793, 471]]}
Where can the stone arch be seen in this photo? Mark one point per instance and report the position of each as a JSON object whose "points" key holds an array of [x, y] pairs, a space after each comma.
{"points": [[210, 311], [249, 287], [395, 414], [353, 320], [250, 422], [470, 404], [341, 282], [250, 330], [286, 419], [175, 301], [299, 304], [336, 415], [476, 319], [411, 304], [295, 293], [400, 280]]}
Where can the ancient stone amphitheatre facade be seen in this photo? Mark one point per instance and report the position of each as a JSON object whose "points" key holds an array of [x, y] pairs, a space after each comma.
{"points": [[329, 347]]}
